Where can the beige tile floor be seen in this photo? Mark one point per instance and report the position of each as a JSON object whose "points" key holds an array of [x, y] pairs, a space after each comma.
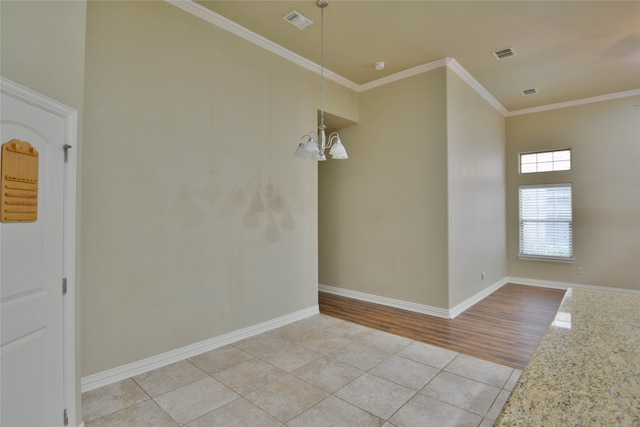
{"points": [[320, 371]]}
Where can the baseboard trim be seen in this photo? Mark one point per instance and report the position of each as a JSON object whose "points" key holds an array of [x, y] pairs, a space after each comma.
{"points": [[412, 306], [120, 373], [110, 376], [458, 309], [390, 302], [566, 285]]}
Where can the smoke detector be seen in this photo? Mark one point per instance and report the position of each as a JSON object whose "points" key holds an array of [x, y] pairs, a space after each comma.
{"points": [[297, 19], [503, 53]]}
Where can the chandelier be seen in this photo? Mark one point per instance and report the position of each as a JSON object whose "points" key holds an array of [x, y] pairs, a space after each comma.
{"points": [[312, 145]]}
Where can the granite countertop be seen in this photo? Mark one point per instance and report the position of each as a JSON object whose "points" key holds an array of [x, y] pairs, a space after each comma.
{"points": [[586, 368]]}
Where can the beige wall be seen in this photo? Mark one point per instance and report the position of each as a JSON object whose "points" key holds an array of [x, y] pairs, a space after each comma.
{"points": [[605, 141], [383, 212], [476, 191], [341, 103], [42, 47], [191, 196]]}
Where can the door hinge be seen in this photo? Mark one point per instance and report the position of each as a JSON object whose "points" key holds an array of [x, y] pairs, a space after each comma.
{"points": [[65, 417], [66, 152], [64, 286]]}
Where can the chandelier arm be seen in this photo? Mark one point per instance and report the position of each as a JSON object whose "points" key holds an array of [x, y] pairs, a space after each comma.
{"points": [[310, 137], [332, 139]]}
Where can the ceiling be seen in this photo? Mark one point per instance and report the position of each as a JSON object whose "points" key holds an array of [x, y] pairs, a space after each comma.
{"points": [[567, 50]]}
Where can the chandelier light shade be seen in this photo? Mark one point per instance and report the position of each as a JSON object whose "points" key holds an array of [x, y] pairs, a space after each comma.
{"points": [[312, 145]]}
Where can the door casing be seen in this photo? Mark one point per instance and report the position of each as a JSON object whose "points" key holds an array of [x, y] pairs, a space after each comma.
{"points": [[70, 116]]}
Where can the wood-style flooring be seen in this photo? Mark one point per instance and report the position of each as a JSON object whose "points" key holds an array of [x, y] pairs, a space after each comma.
{"points": [[505, 327]]}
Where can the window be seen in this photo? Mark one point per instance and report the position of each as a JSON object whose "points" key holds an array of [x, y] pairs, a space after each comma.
{"points": [[546, 221], [545, 161]]}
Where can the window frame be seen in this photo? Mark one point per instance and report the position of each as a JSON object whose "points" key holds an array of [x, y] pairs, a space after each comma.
{"points": [[552, 162], [541, 256]]}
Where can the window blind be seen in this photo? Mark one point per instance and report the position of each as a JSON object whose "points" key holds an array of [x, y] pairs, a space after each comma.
{"points": [[546, 220]]}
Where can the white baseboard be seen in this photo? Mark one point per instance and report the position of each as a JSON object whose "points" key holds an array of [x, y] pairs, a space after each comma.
{"points": [[391, 302], [566, 285], [120, 373], [412, 306], [458, 309], [110, 376]]}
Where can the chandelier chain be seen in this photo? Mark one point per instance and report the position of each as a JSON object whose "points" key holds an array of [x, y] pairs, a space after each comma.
{"points": [[322, 67], [314, 145]]}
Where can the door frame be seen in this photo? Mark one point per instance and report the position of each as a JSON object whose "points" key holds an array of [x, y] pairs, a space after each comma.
{"points": [[70, 115]]}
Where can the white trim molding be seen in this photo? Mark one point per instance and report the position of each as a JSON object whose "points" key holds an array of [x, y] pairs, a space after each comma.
{"points": [[110, 376], [591, 100], [444, 62], [460, 308], [475, 85], [226, 24], [404, 74], [390, 302], [220, 21], [70, 116], [412, 306]]}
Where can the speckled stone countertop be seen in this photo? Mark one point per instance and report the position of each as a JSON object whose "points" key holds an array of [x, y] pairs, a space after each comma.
{"points": [[586, 368]]}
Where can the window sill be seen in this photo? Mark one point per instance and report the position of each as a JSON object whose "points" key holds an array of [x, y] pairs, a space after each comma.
{"points": [[546, 258]]}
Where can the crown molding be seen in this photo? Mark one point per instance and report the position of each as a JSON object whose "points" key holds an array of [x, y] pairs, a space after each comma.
{"points": [[576, 102], [403, 74], [226, 24], [443, 62], [471, 81]]}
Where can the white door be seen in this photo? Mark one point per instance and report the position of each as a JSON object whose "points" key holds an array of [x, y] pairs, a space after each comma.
{"points": [[31, 279]]}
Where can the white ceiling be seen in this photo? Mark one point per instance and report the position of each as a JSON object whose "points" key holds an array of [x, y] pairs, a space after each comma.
{"points": [[567, 50]]}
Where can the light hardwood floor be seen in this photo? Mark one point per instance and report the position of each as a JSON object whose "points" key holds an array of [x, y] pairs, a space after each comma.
{"points": [[503, 328]]}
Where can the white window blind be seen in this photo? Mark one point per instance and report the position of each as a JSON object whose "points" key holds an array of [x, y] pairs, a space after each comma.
{"points": [[546, 221]]}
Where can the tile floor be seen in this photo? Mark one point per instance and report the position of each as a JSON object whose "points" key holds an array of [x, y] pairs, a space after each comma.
{"points": [[320, 371]]}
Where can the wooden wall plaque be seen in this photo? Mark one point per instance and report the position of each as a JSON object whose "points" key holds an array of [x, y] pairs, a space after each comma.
{"points": [[19, 197]]}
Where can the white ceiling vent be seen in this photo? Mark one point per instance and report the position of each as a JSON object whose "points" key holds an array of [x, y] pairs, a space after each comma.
{"points": [[503, 53], [531, 91], [297, 19]]}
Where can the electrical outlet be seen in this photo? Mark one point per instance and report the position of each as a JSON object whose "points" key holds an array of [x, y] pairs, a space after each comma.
{"points": [[482, 275], [580, 271], [225, 310]]}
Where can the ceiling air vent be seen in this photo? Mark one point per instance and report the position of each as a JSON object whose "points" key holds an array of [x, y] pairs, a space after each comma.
{"points": [[503, 53], [297, 19], [532, 91]]}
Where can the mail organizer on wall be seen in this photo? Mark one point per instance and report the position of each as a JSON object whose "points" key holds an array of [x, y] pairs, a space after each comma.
{"points": [[19, 197]]}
